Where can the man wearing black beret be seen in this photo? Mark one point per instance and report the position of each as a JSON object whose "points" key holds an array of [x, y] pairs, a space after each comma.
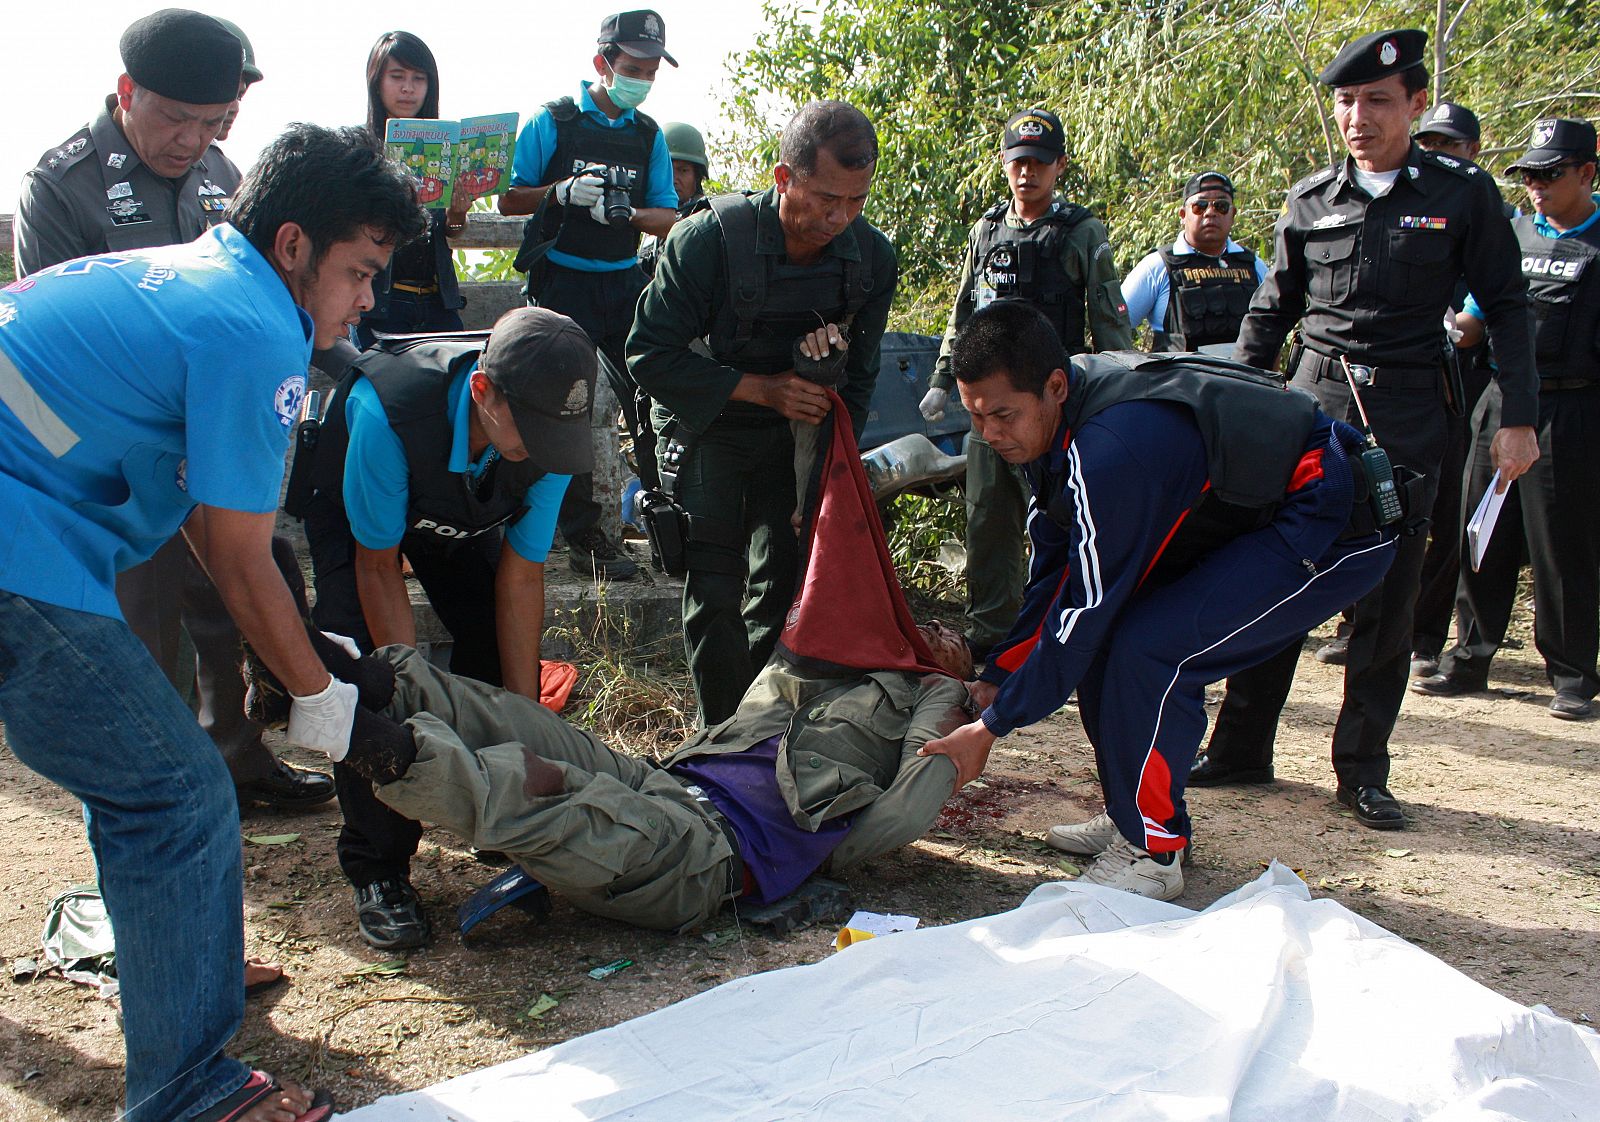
{"points": [[1369, 253], [145, 173]]}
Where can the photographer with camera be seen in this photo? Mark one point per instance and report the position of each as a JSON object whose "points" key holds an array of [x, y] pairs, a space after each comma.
{"points": [[608, 176]]}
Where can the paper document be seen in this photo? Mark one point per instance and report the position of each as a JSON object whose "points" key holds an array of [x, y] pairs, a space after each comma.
{"points": [[1481, 526]]}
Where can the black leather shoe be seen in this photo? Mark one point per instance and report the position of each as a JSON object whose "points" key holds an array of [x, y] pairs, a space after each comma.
{"points": [[287, 788], [1423, 665], [1449, 685], [592, 553], [1206, 772], [1374, 807], [1334, 652], [1570, 705], [390, 916]]}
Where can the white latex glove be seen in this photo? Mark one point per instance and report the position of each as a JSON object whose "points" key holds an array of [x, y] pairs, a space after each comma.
{"points": [[1452, 332], [345, 642], [598, 212], [323, 721], [582, 190], [933, 403]]}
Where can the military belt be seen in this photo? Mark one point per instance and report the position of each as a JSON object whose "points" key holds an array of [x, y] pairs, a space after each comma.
{"points": [[738, 880], [415, 289], [1567, 383], [1321, 368]]}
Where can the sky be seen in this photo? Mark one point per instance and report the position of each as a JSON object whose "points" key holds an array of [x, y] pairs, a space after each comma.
{"points": [[62, 61]]}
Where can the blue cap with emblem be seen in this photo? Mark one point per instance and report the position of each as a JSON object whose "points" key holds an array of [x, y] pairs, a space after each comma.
{"points": [[1372, 58], [1449, 119], [1556, 140]]}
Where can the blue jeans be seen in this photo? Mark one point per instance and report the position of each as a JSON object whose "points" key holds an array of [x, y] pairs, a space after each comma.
{"points": [[86, 707]]}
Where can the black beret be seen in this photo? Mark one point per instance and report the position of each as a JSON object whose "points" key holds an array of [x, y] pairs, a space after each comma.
{"points": [[183, 55], [1374, 57]]}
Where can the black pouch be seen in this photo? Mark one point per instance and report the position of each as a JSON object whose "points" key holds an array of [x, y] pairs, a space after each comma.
{"points": [[306, 434], [667, 526]]}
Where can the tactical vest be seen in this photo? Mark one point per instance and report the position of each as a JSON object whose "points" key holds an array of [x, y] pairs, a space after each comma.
{"points": [[581, 141], [1255, 431], [412, 378], [1563, 277], [1027, 264], [1207, 297], [772, 303]]}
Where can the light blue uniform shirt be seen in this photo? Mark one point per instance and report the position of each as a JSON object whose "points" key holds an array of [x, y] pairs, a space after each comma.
{"points": [[1541, 224], [132, 387], [537, 143], [1146, 287], [376, 479]]}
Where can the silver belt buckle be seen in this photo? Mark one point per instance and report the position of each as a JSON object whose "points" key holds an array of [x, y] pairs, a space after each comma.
{"points": [[1361, 375]]}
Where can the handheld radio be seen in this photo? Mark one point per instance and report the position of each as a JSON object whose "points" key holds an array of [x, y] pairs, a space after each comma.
{"points": [[1382, 493]]}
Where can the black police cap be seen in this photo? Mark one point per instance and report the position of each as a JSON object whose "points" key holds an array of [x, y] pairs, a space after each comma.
{"points": [[1556, 140], [1452, 120], [1035, 134], [183, 55], [1207, 181], [641, 33], [1374, 57]]}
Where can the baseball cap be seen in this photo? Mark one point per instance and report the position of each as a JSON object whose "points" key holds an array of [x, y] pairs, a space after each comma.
{"points": [[183, 55], [1207, 181], [1035, 134], [1374, 57], [1452, 120], [1555, 139], [251, 73], [642, 34], [545, 365]]}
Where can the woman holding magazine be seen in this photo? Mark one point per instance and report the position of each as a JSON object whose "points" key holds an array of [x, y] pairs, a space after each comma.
{"points": [[419, 291]]}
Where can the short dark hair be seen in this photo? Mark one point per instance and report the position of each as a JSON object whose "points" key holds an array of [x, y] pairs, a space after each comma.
{"points": [[408, 50], [333, 183], [839, 127], [1414, 78], [610, 52], [1011, 336]]}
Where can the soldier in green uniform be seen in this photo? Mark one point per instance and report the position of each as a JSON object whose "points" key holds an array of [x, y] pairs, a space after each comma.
{"points": [[714, 341], [1057, 256]]}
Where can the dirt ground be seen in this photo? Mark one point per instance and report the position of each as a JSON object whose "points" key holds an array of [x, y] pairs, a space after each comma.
{"points": [[1499, 875]]}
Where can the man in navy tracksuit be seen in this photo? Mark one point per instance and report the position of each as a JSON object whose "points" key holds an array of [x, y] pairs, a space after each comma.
{"points": [[1188, 518]]}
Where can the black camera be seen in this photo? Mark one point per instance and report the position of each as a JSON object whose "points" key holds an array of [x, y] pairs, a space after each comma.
{"points": [[618, 185]]}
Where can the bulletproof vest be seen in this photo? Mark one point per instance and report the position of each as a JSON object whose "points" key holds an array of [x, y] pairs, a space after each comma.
{"points": [[1563, 277], [412, 378], [581, 141], [772, 303], [1026, 264], [1255, 431], [1207, 297]]}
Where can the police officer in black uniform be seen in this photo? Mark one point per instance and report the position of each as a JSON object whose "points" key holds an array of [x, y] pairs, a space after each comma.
{"points": [[145, 173], [1194, 293], [1556, 499], [592, 273], [454, 452], [1368, 255]]}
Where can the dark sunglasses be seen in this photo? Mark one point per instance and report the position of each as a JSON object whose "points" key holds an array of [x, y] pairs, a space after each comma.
{"points": [[1221, 206], [1544, 175]]}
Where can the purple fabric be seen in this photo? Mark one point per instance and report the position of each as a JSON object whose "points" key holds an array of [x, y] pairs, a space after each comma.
{"points": [[743, 786]]}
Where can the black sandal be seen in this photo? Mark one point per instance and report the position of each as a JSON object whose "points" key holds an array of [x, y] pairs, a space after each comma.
{"points": [[261, 1086]]}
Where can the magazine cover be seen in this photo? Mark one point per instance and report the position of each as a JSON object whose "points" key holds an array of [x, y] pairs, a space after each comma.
{"points": [[483, 154], [428, 149]]}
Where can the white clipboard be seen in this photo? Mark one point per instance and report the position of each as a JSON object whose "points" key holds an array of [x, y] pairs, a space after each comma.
{"points": [[1480, 527]]}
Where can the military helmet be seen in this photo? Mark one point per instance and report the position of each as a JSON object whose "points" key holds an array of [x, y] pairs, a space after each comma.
{"points": [[684, 142]]}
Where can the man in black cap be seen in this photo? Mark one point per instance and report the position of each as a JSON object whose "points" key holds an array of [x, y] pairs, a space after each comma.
{"points": [[1556, 499], [455, 452], [592, 271], [1369, 253], [1213, 275], [248, 76], [145, 173], [1037, 246]]}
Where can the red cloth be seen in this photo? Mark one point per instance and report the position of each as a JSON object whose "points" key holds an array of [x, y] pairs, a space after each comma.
{"points": [[849, 613], [556, 680]]}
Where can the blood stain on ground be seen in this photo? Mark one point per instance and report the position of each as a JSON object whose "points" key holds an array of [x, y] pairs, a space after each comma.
{"points": [[997, 797]]}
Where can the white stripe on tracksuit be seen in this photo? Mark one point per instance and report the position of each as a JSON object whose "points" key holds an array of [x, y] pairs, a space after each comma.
{"points": [[1153, 828], [1088, 553]]}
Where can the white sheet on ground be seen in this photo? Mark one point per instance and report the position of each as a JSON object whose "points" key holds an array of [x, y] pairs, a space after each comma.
{"points": [[1083, 1003]]}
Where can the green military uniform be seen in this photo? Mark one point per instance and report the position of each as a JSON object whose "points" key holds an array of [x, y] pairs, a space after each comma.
{"points": [[687, 351], [626, 839], [94, 195], [997, 495]]}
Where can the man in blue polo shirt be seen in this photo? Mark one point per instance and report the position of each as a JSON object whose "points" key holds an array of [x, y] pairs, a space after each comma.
{"points": [[140, 392], [592, 272], [433, 446]]}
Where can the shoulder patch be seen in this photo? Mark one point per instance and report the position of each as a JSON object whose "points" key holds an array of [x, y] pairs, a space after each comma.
{"points": [[1311, 182], [1463, 168], [56, 161], [286, 400]]}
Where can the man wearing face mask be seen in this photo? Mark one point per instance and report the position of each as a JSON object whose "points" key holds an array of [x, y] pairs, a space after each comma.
{"points": [[592, 272]]}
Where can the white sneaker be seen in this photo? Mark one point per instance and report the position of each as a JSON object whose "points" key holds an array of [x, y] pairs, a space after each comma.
{"points": [[1086, 839], [1124, 865]]}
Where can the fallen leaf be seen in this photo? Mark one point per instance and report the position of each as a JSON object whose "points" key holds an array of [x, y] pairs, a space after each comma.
{"points": [[271, 839], [1397, 853], [539, 1008], [1588, 907], [386, 969], [1069, 868]]}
